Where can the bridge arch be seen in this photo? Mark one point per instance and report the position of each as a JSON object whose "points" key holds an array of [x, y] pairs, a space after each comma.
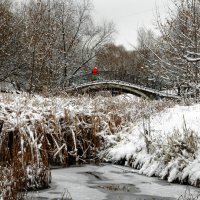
{"points": [[119, 86], [116, 86], [108, 80]]}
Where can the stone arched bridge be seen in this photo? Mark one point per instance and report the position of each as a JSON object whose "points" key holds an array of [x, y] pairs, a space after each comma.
{"points": [[107, 80]]}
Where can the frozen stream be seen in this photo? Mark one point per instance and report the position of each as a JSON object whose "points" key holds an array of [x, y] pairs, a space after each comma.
{"points": [[108, 182]]}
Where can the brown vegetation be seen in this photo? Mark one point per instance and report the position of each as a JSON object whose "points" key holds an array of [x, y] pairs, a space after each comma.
{"points": [[27, 151]]}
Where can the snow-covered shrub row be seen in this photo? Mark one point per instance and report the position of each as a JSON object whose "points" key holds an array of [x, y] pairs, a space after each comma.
{"points": [[165, 144]]}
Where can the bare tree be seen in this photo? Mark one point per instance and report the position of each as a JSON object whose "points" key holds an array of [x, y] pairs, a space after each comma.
{"points": [[46, 41], [94, 40], [115, 58], [180, 43], [10, 44]]}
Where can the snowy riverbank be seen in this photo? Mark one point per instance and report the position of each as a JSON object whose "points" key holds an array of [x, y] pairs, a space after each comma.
{"points": [[166, 145], [156, 137]]}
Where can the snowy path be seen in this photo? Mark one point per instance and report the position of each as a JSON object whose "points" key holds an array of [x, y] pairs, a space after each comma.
{"points": [[109, 182]]}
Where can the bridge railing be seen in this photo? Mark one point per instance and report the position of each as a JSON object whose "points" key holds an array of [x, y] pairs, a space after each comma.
{"points": [[118, 76]]}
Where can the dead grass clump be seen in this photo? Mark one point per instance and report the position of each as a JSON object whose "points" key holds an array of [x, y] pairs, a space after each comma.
{"points": [[183, 145], [15, 179], [80, 136], [188, 195], [5, 182], [20, 155], [114, 122], [176, 154], [68, 139]]}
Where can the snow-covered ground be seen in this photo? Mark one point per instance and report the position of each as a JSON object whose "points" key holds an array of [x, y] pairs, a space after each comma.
{"points": [[158, 138], [165, 144]]}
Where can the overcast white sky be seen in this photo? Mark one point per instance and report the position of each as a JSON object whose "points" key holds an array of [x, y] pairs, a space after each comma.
{"points": [[128, 16]]}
